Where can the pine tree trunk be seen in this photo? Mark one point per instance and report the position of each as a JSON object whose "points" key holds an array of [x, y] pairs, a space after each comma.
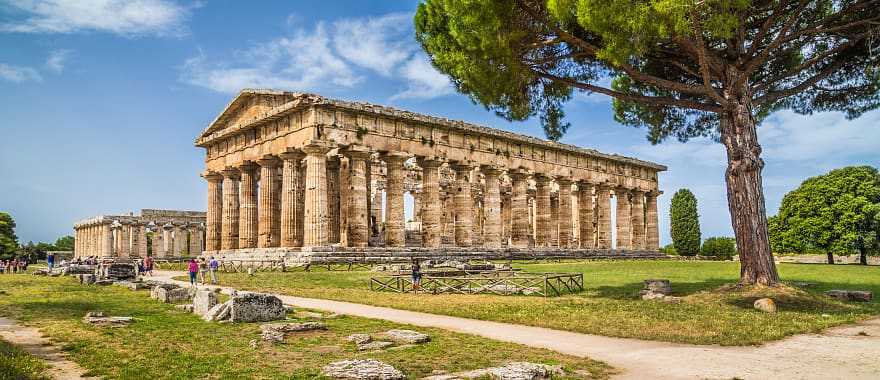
{"points": [[863, 256], [830, 258], [745, 196]]}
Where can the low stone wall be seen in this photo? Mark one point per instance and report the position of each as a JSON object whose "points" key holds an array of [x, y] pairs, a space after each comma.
{"points": [[822, 259]]}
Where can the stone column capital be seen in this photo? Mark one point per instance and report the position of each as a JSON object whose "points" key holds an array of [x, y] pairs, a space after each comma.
{"points": [[394, 157], [212, 176], [317, 147], [542, 178], [429, 162], [357, 152], [231, 173], [585, 184], [246, 166], [268, 161], [517, 174], [491, 170], [562, 181], [292, 155]]}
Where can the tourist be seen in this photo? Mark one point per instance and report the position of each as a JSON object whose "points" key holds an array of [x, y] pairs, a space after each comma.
{"points": [[148, 265], [203, 267], [193, 271], [213, 266], [50, 260], [416, 275]]}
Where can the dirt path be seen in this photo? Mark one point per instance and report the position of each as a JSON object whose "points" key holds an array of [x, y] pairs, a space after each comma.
{"points": [[31, 341], [839, 353]]}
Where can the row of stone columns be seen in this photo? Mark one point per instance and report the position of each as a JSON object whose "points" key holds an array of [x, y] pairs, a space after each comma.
{"points": [[93, 239], [305, 199], [121, 239]]}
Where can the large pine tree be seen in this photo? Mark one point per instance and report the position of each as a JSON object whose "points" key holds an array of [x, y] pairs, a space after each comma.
{"points": [[681, 68]]}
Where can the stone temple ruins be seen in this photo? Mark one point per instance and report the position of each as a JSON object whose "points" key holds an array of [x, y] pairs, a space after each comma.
{"points": [[296, 175], [167, 233]]}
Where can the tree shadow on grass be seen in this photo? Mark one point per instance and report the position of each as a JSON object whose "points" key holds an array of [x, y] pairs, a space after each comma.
{"points": [[630, 291]]}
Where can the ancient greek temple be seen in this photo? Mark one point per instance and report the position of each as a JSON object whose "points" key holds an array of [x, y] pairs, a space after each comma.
{"points": [[163, 233], [297, 172]]}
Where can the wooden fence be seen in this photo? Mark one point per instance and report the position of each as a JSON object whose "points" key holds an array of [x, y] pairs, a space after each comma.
{"points": [[498, 283]]}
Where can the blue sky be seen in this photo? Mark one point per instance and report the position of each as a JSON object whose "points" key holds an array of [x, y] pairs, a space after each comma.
{"points": [[101, 102]]}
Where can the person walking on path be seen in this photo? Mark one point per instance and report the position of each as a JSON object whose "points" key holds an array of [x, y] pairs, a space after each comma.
{"points": [[193, 271], [213, 266], [203, 267], [50, 260], [148, 265], [416, 276]]}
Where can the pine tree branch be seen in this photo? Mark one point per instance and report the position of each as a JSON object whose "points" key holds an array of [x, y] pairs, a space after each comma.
{"points": [[773, 96]]}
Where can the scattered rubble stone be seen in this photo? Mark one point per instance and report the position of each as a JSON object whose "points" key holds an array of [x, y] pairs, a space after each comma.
{"points": [[98, 318], [173, 295], [254, 343], [657, 286], [510, 371], [256, 307], [138, 286], [850, 295], [154, 292], [203, 301], [216, 312], [362, 369], [87, 279], [185, 307], [766, 305], [359, 338], [406, 336], [377, 345]]}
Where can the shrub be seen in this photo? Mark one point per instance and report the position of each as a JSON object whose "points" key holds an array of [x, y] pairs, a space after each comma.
{"points": [[685, 223], [719, 246], [668, 249]]}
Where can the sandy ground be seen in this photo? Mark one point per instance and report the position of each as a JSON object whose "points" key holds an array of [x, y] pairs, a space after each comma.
{"points": [[847, 352], [30, 340]]}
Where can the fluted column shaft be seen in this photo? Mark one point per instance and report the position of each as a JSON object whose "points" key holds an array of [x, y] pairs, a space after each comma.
{"points": [[291, 203], [603, 211], [333, 198], [269, 228], [317, 219], [565, 224], [124, 236], [553, 240], [492, 230], [141, 232], [543, 211], [585, 216], [624, 219], [248, 217], [432, 212], [158, 242], [195, 241], [214, 217], [229, 239], [181, 240], [464, 206], [652, 240], [358, 194], [394, 213], [519, 210], [638, 220]]}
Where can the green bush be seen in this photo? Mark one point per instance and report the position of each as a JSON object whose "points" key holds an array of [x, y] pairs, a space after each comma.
{"points": [[685, 223], [668, 249], [719, 247]]}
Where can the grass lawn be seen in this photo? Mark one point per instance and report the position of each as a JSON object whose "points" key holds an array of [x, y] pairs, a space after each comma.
{"points": [[17, 364], [165, 343], [610, 305]]}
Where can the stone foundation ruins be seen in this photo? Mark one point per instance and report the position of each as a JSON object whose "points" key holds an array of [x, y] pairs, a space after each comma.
{"points": [[292, 175], [166, 233]]}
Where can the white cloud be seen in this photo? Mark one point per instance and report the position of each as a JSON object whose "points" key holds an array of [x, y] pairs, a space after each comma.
{"points": [[379, 44], [341, 54], [124, 17], [787, 136], [424, 82], [19, 74], [57, 59], [592, 97]]}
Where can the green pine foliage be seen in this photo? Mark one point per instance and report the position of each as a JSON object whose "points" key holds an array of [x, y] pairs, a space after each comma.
{"points": [[685, 223], [8, 240]]}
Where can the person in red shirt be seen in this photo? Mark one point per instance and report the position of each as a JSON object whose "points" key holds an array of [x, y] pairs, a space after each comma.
{"points": [[193, 271]]}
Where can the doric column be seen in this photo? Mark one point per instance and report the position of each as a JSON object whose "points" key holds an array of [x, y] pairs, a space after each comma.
{"points": [[139, 231], [432, 213], [464, 205], [168, 239], [638, 220], [492, 230], [291, 203], [124, 237], [376, 207], [603, 211], [652, 240], [565, 230], [344, 199], [195, 240], [358, 193], [248, 217], [268, 207], [519, 209], [333, 197], [394, 216], [506, 220], [585, 217], [214, 219], [106, 240], [229, 238], [624, 219], [158, 242], [317, 223], [181, 240], [542, 211]]}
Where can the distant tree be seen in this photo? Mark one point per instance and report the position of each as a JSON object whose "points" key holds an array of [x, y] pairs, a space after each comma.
{"points": [[64, 243], [719, 247], [8, 240], [668, 249], [836, 213], [685, 223]]}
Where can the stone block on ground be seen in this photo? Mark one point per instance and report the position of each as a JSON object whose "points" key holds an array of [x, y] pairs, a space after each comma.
{"points": [[154, 292], [524, 371], [359, 338], [766, 305], [362, 369], [372, 346], [275, 332], [657, 286], [173, 295], [851, 295], [98, 318], [185, 307], [406, 336], [217, 313], [137, 286], [203, 301], [256, 307]]}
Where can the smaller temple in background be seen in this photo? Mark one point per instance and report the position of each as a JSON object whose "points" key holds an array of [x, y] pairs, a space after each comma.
{"points": [[160, 233]]}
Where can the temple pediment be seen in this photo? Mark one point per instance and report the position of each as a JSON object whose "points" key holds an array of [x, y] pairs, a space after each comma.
{"points": [[248, 105]]}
